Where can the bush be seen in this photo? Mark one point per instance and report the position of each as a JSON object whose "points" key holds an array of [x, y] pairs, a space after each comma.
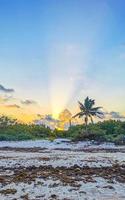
{"points": [[92, 133], [108, 131], [11, 130], [74, 131], [119, 140]]}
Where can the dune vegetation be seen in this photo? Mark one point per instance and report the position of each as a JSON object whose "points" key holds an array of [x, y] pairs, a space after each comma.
{"points": [[102, 131], [106, 131]]}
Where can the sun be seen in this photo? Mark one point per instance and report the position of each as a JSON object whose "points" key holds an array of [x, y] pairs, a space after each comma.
{"points": [[55, 115]]}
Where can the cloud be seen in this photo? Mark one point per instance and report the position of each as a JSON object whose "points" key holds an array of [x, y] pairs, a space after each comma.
{"points": [[50, 118], [13, 106], [28, 102], [116, 115], [40, 116], [6, 90], [113, 115], [5, 99]]}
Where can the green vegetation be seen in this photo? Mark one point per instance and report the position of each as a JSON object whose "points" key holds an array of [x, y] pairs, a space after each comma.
{"points": [[88, 111], [106, 131], [12, 130]]}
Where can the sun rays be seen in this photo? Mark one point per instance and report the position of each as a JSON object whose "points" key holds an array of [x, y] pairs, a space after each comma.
{"points": [[66, 65]]}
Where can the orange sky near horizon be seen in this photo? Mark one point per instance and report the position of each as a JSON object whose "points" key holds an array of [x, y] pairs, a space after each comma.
{"points": [[28, 115], [56, 53]]}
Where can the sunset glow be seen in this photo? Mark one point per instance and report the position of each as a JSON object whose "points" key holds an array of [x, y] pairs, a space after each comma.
{"points": [[62, 99], [54, 53]]}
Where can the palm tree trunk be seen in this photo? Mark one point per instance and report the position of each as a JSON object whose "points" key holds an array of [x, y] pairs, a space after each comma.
{"points": [[86, 123], [70, 123], [91, 119]]}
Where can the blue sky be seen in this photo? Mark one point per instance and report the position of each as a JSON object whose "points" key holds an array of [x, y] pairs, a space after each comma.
{"points": [[56, 52]]}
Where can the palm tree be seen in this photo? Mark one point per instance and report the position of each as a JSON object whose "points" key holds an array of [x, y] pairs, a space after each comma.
{"points": [[88, 111]]}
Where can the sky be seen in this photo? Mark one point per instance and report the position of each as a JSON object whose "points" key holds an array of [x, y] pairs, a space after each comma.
{"points": [[56, 52]]}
